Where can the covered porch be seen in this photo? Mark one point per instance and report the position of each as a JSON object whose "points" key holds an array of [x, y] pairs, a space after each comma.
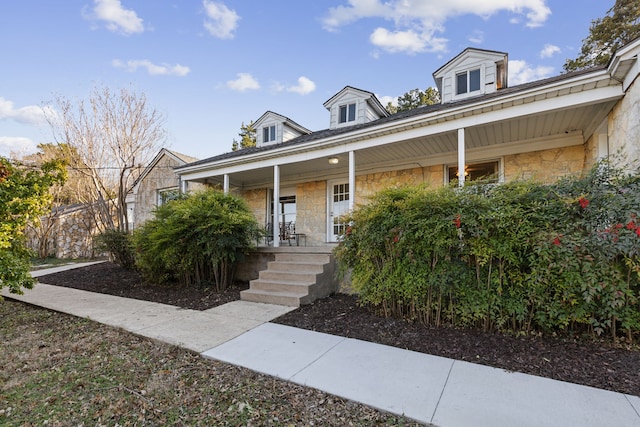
{"points": [[540, 131]]}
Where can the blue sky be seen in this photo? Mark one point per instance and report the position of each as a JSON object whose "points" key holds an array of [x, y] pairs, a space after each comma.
{"points": [[210, 65]]}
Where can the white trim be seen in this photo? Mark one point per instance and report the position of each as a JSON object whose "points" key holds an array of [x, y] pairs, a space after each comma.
{"points": [[352, 180], [502, 108], [276, 212], [461, 157]]}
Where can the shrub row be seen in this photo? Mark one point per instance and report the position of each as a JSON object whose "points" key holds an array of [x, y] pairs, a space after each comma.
{"points": [[192, 240], [520, 256]]}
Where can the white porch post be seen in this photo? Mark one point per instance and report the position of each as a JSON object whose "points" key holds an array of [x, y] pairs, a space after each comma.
{"points": [[276, 206], [352, 180], [225, 185], [461, 157]]}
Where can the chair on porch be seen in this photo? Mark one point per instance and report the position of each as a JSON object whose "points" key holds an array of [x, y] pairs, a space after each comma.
{"points": [[287, 233]]}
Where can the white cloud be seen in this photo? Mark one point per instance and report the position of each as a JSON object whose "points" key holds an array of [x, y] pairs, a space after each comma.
{"points": [[116, 17], [304, 86], [30, 115], [153, 69], [244, 82], [549, 50], [406, 41], [221, 21], [416, 23], [522, 72], [384, 100], [16, 145]]}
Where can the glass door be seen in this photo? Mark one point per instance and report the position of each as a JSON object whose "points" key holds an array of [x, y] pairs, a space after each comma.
{"points": [[338, 206]]}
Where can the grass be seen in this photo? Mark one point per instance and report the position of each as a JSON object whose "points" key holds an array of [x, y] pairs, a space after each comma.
{"points": [[58, 370]]}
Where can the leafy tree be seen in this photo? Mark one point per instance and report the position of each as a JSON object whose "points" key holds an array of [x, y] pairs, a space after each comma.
{"points": [[620, 26], [107, 139], [247, 137], [24, 196], [414, 99]]}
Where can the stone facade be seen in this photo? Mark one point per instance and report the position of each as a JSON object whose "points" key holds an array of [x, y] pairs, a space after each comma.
{"points": [[311, 197], [311, 212], [70, 234], [545, 166], [624, 125], [160, 178]]}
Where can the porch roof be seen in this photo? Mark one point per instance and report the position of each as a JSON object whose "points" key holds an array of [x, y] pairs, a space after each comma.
{"points": [[522, 118]]}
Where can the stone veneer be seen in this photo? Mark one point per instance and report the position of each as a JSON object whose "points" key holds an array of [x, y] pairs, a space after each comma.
{"points": [[71, 235], [624, 125], [545, 166]]}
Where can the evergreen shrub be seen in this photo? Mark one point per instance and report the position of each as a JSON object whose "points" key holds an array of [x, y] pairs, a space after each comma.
{"points": [[197, 239], [520, 256]]}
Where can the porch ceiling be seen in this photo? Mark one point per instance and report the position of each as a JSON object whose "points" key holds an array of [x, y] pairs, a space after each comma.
{"points": [[430, 149]]}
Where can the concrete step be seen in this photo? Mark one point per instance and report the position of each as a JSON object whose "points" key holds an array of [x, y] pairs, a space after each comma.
{"points": [[294, 278], [288, 276], [322, 258], [281, 286], [270, 297], [306, 267]]}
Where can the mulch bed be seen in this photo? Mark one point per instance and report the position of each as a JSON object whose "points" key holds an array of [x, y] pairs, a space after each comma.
{"points": [[596, 364]]}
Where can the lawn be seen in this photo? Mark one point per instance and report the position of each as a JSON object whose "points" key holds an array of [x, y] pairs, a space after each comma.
{"points": [[58, 370]]}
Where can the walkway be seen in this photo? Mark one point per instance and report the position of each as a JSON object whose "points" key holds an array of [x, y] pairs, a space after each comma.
{"points": [[430, 389]]}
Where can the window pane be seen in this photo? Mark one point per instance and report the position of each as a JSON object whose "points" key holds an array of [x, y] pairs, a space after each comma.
{"points": [[273, 133], [343, 114], [461, 83], [265, 134], [352, 112], [474, 80]]}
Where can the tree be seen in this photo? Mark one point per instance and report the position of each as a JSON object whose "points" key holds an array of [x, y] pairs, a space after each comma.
{"points": [[108, 139], [71, 192], [620, 26], [247, 137], [414, 99], [24, 196]]}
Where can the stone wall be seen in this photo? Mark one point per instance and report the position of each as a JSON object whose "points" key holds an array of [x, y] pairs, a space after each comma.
{"points": [[71, 234], [545, 166], [146, 197], [624, 125], [311, 212]]}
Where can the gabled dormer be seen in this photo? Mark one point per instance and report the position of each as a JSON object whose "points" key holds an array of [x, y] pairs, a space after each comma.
{"points": [[353, 106], [273, 128], [473, 72]]}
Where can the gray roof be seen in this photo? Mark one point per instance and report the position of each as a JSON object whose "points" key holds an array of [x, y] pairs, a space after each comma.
{"points": [[426, 109]]}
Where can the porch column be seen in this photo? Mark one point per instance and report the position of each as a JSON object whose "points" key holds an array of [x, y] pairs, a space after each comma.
{"points": [[352, 180], [276, 206], [225, 185], [461, 157]]}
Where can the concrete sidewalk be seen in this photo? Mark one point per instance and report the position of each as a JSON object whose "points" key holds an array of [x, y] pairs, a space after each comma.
{"points": [[426, 388]]}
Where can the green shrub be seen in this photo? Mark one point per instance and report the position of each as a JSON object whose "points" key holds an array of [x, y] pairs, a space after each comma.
{"points": [[197, 239], [516, 256], [119, 246]]}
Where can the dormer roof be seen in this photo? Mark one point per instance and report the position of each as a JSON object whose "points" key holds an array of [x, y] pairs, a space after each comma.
{"points": [[363, 107], [284, 128], [487, 69]]}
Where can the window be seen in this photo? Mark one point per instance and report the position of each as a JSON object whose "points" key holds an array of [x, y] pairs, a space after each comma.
{"points": [[468, 82], [269, 133], [487, 172], [347, 113], [167, 194]]}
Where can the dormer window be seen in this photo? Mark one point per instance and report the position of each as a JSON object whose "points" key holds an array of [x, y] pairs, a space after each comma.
{"points": [[269, 133], [347, 113], [468, 81]]}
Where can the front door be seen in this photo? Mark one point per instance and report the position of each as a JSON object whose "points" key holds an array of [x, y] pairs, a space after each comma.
{"points": [[338, 206]]}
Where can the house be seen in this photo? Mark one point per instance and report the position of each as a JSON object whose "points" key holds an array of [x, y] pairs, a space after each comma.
{"points": [[156, 184], [542, 129]]}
